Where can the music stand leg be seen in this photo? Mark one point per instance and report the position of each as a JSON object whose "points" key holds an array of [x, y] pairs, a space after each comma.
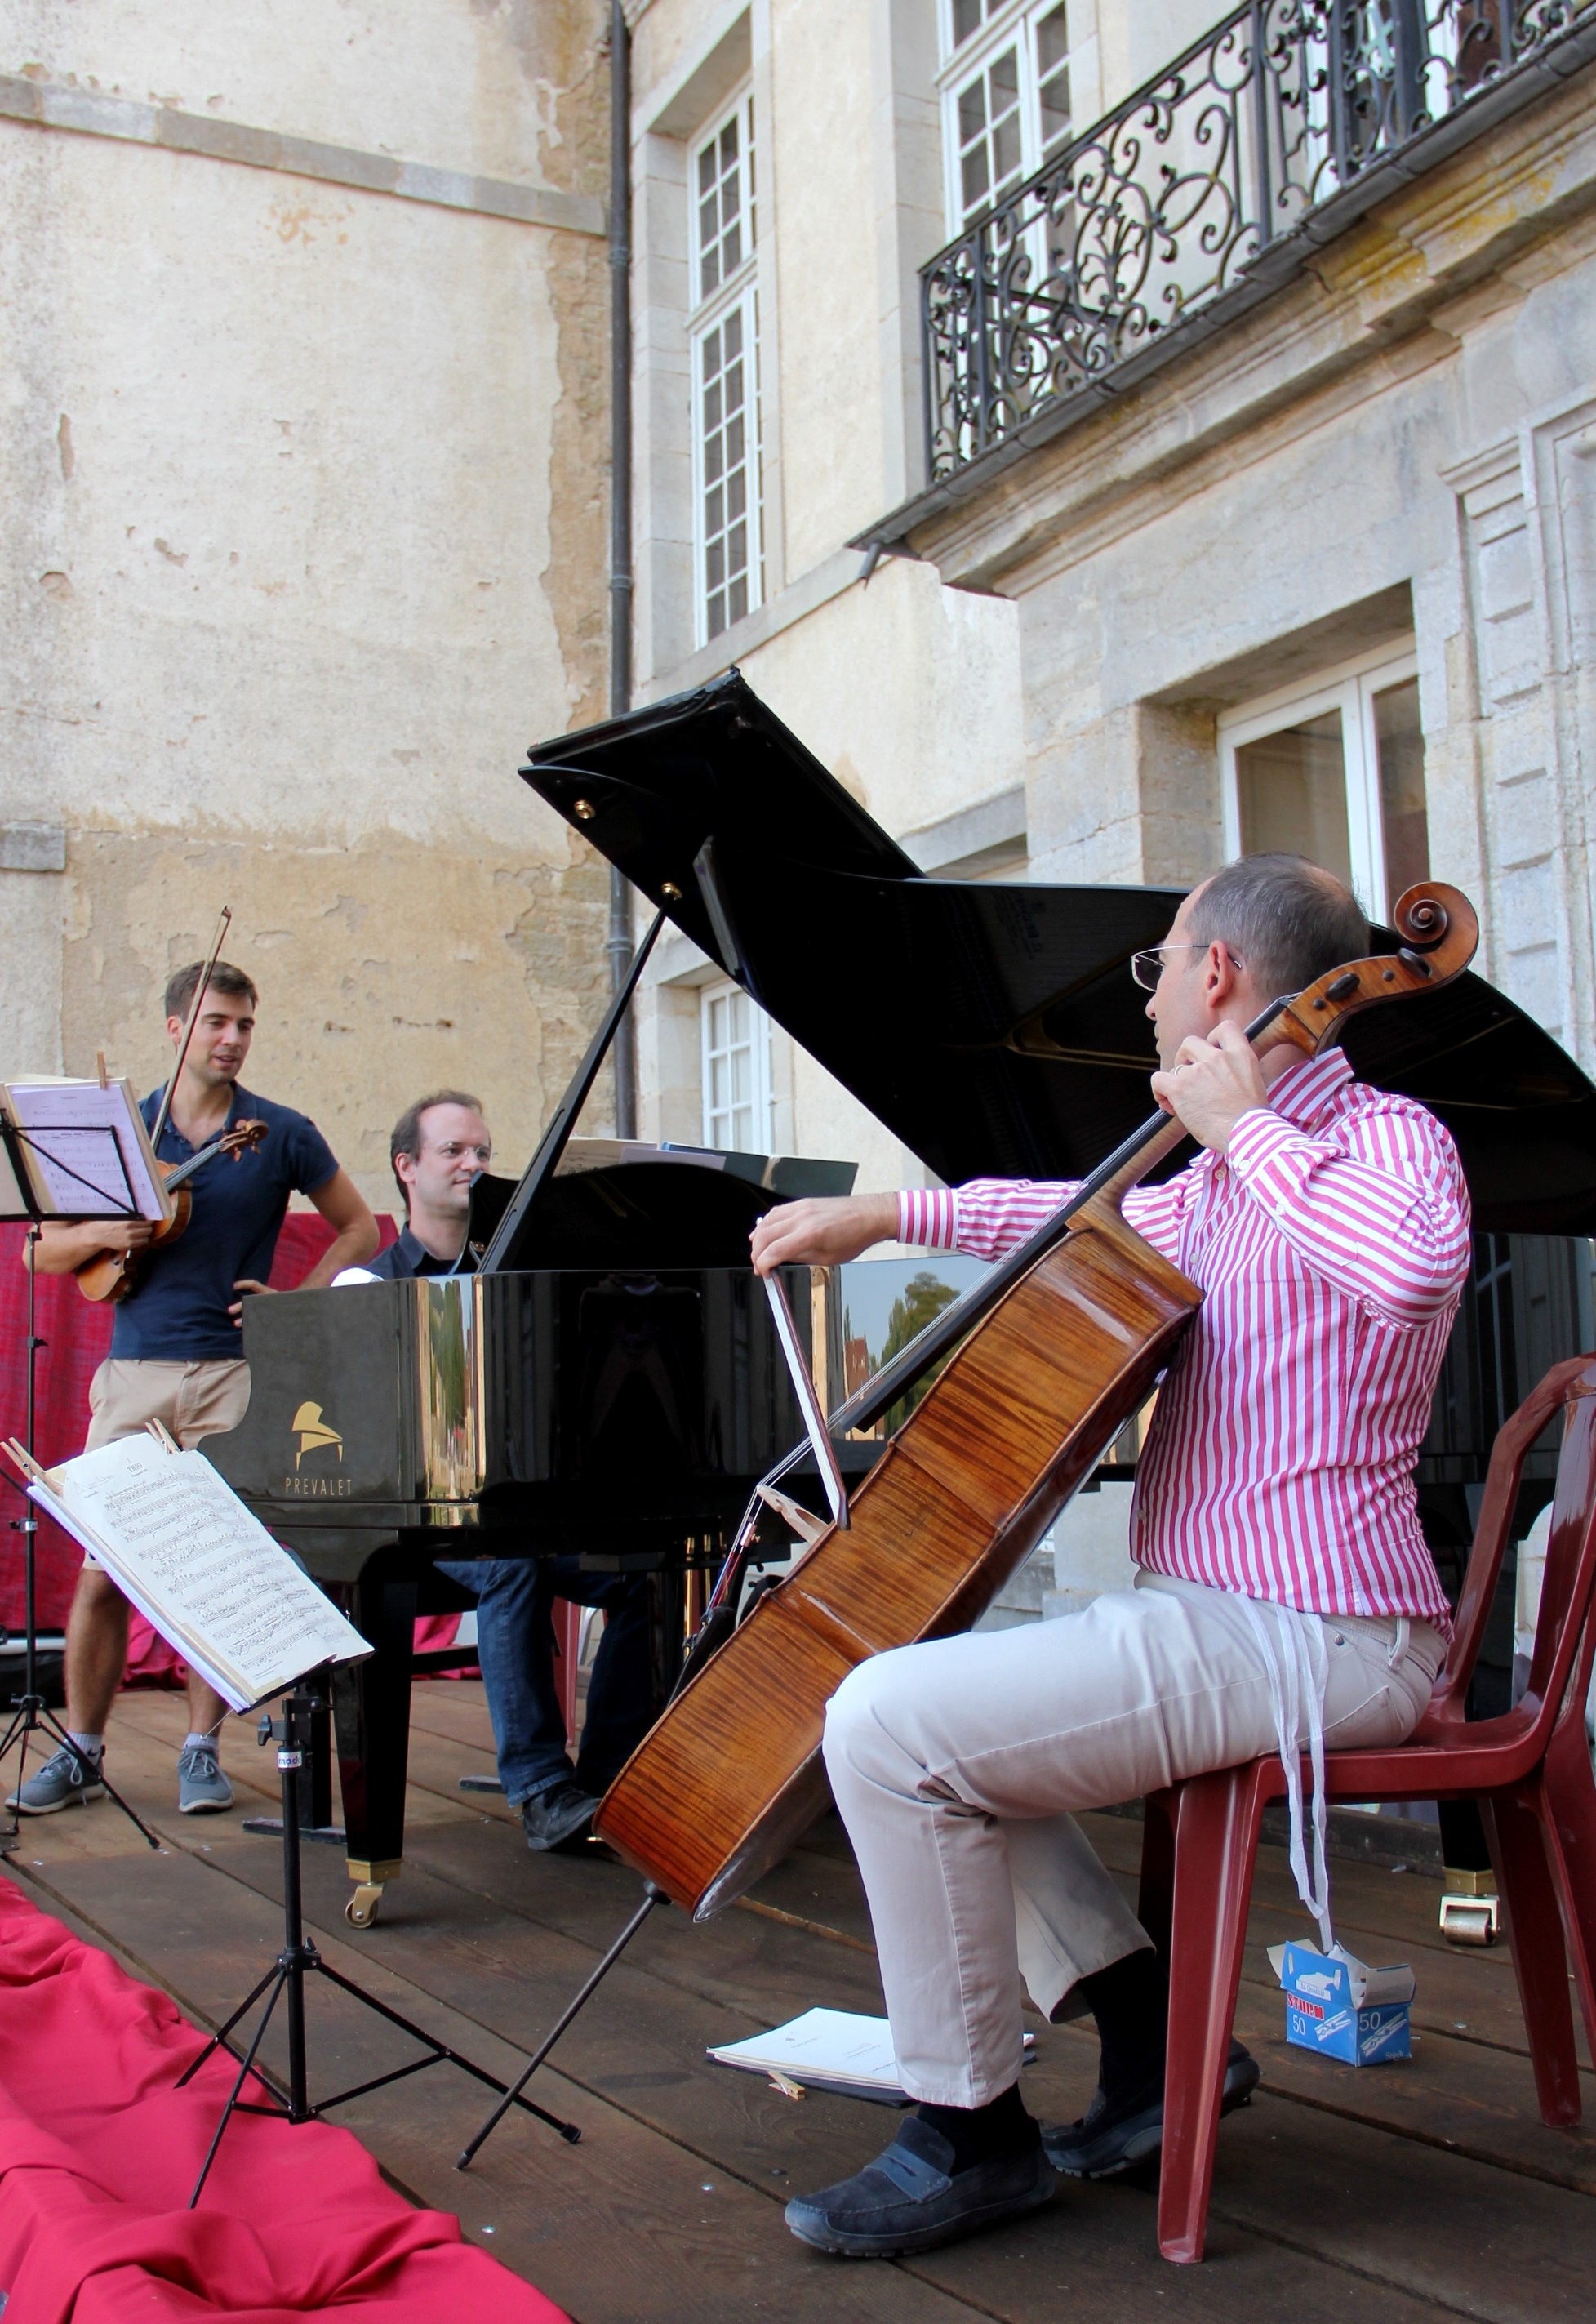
{"points": [[30, 1713], [651, 1897], [299, 1958]]}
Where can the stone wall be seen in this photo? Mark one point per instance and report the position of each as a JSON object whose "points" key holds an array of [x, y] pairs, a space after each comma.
{"points": [[303, 525]]}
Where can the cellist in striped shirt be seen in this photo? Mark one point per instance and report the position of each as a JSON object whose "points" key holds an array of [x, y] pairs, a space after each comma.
{"points": [[1284, 1588]]}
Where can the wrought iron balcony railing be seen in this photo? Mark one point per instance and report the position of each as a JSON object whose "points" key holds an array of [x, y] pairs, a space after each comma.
{"points": [[1274, 122]]}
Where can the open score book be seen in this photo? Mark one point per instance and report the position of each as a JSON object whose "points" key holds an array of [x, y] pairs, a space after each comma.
{"points": [[202, 1570]]}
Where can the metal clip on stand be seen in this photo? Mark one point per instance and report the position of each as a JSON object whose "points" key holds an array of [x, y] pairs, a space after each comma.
{"points": [[298, 1958]]}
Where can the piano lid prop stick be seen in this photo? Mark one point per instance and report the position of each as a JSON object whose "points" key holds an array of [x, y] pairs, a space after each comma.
{"points": [[809, 1402]]}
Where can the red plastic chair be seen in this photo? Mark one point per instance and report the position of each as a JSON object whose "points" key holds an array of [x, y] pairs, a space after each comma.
{"points": [[1530, 1771]]}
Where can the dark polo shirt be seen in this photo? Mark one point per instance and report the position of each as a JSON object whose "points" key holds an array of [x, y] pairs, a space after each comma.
{"points": [[407, 1256], [179, 1312]]}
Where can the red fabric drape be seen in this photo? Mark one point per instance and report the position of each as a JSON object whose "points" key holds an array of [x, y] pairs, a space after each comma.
{"points": [[98, 2152], [77, 1336]]}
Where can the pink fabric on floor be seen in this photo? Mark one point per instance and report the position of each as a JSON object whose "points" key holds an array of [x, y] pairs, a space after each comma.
{"points": [[98, 2154]]}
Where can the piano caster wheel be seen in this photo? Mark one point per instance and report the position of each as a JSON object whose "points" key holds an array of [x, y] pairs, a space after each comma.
{"points": [[360, 1911]]}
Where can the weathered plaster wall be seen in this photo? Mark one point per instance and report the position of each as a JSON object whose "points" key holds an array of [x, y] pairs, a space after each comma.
{"points": [[303, 509]]}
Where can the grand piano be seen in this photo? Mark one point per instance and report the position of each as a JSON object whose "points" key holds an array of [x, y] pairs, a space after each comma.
{"points": [[609, 1382]]}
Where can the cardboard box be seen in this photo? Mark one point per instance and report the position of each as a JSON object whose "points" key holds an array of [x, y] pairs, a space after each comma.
{"points": [[1339, 2007]]}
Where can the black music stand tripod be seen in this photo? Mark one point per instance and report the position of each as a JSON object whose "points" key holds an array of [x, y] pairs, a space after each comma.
{"points": [[299, 1958], [30, 1715]]}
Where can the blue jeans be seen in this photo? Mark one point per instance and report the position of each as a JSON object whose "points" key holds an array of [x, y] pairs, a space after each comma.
{"points": [[516, 1648]]}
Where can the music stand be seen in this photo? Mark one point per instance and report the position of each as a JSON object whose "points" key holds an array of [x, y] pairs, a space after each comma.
{"points": [[293, 1734], [30, 1712]]}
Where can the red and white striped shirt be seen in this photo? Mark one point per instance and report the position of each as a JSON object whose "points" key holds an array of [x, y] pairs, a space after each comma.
{"points": [[1331, 1240]]}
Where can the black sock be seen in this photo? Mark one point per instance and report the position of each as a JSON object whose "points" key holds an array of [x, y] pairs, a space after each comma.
{"points": [[997, 2131], [1130, 2000]]}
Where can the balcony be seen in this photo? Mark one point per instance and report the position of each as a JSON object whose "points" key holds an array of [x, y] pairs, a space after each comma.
{"points": [[1198, 196]]}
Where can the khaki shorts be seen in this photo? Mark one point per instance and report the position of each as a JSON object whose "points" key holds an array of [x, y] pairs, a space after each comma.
{"points": [[194, 1400]]}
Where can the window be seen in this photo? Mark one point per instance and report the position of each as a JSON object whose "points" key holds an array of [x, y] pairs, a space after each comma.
{"points": [[1335, 772], [736, 1035], [727, 547], [1006, 94]]}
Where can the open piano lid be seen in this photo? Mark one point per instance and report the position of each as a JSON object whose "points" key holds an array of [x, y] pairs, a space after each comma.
{"points": [[997, 1028]]}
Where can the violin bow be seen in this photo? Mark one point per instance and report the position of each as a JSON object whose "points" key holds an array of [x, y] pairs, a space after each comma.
{"points": [[200, 992]]}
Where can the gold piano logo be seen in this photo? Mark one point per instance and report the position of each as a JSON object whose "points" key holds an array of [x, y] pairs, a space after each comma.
{"points": [[314, 1433]]}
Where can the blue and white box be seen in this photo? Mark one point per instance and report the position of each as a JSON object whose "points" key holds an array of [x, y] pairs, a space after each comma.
{"points": [[1339, 2007]]}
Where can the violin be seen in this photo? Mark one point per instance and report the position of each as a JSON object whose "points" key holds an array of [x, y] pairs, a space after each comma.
{"points": [[114, 1274], [1053, 1353]]}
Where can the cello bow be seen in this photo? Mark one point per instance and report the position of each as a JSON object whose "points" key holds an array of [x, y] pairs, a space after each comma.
{"points": [[1065, 1346]]}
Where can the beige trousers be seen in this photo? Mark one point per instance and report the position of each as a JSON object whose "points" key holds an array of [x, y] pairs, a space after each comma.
{"points": [[194, 1400], [956, 1764]]}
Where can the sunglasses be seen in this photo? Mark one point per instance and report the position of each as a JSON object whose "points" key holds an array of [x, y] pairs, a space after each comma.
{"points": [[1148, 966]]}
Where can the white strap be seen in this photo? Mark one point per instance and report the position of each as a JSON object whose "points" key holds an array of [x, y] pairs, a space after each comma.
{"points": [[1298, 1663]]}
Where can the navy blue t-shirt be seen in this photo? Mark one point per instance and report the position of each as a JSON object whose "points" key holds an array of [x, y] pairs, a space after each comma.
{"points": [[179, 1312]]}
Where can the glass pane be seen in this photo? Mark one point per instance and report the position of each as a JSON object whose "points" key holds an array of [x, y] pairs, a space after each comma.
{"points": [[966, 19], [1403, 814], [1291, 789], [1006, 81], [1055, 109], [972, 111], [1052, 40]]}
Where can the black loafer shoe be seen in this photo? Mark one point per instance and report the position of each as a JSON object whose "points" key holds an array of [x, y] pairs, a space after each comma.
{"points": [[1108, 2140], [908, 2199], [556, 1816]]}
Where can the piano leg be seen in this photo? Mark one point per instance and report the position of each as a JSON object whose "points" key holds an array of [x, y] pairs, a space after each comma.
{"points": [[372, 1721]]}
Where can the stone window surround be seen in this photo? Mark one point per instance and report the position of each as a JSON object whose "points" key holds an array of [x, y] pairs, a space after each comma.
{"points": [[735, 293], [907, 227], [1348, 686], [667, 122]]}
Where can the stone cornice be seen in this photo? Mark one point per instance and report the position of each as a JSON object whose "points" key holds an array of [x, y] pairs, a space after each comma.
{"points": [[47, 105]]}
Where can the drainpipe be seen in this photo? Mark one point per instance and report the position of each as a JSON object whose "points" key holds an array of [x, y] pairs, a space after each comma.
{"points": [[620, 944]]}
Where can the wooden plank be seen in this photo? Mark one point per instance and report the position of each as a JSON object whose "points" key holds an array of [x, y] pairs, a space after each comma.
{"points": [[624, 2226], [621, 2226]]}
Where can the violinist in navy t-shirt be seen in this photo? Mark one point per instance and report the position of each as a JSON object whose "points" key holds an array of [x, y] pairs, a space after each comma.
{"points": [[175, 1346]]}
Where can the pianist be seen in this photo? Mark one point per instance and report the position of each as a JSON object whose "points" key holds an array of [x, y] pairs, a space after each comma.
{"points": [[438, 1147], [174, 1347], [1282, 1565]]}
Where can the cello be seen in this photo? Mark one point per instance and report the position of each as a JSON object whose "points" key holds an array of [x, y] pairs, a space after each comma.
{"points": [[1054, 1352]]}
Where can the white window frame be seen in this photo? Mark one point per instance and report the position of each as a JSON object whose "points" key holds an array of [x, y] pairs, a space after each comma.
{"points": [[736, 292], [762, 1099], [1014, 24], [1349, 688]]}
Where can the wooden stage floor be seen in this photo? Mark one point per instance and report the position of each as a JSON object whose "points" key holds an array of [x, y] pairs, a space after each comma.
{"points": [[1406, 2193]]}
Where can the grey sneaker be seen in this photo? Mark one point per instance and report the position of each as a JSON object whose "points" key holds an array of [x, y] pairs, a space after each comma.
{"points": [[202, 1788], [67, 1779]]}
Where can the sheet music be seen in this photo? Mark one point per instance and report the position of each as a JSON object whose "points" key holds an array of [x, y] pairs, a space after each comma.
{"points": [[12, 1203], [72, 1163], [200, 1567]]}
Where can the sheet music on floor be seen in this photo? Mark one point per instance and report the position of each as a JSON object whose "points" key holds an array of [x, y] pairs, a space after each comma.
{"points": [[835, 2050], [198, 1566]]}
